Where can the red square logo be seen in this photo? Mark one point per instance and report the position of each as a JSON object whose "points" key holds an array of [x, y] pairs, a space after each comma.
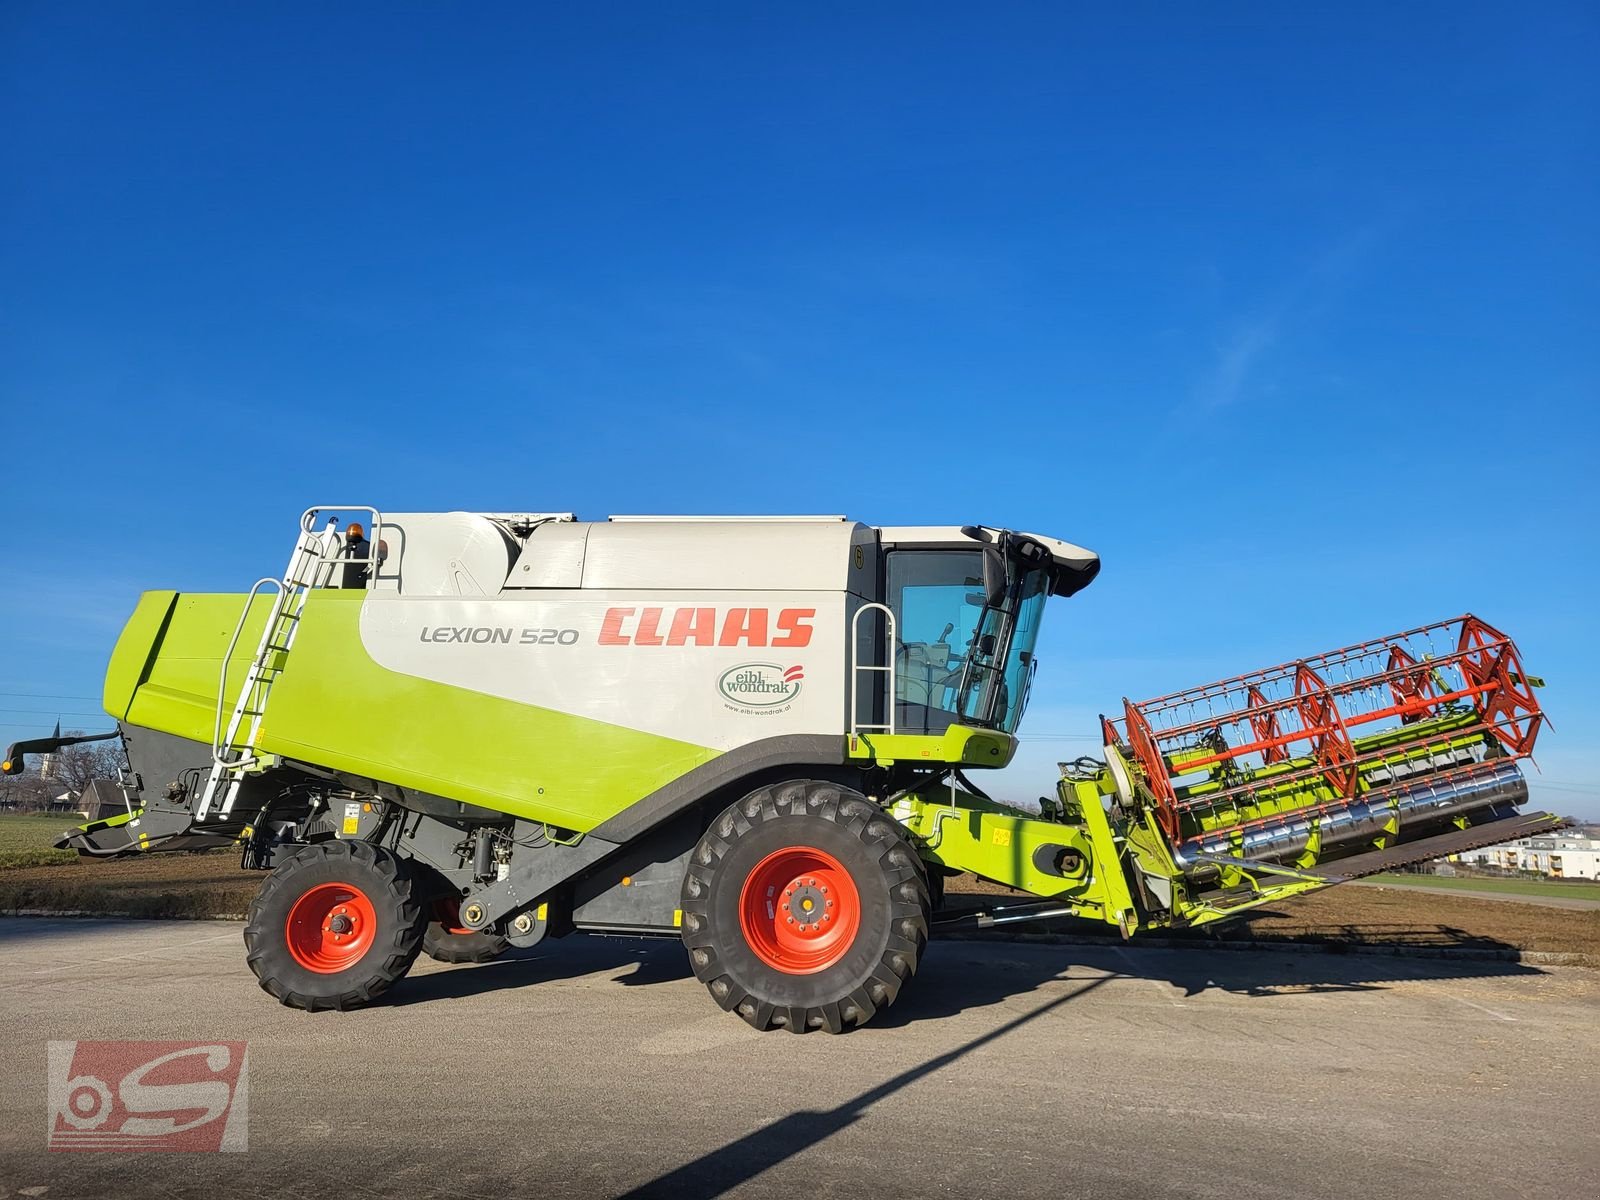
{"points": [[125, 1096]]}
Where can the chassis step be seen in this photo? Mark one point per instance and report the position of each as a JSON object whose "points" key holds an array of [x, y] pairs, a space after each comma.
{"points": [[138, 832]]}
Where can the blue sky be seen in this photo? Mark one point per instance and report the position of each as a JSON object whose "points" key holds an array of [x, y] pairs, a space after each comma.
{"points": [[1288, 311]]}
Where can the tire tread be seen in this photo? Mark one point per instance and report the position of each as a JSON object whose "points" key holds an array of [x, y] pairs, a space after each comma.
{"points": [[899, 872], [368, 867]]}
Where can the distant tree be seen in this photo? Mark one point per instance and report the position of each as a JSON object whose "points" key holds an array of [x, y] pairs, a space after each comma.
{"points": [[76, 766], [26, 792]]}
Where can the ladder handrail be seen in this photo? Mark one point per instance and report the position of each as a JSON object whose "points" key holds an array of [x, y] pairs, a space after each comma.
{"points": [[371, 560], [217, 745], [311, 565], [891, 699]]}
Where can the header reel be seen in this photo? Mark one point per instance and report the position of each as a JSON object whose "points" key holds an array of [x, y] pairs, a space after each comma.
{"points": [[1359, 749]]}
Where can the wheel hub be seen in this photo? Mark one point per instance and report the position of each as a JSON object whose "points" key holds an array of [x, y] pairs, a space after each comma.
{"points": [[808, 906]]}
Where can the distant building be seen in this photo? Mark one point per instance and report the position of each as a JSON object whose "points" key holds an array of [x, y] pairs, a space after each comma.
{"points": [[1562, 855]]}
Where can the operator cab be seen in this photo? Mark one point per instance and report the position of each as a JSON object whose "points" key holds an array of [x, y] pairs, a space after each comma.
{"points": [[967, 606]]}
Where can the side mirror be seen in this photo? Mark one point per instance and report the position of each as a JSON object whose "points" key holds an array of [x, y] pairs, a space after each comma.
{"points": [[994, 577]]}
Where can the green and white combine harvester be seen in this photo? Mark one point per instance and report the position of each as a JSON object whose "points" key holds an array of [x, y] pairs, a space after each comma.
{"points": [[759, 735]]}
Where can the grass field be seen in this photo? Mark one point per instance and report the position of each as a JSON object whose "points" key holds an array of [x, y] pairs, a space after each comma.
{"points": [[1504, 887], [25, 838]]}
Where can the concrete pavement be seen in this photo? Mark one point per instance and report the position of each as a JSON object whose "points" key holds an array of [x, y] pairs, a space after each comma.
{"points": [[593, 1067]]}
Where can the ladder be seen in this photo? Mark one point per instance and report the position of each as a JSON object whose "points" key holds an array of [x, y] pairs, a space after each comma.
{"points": [[315, 559]]}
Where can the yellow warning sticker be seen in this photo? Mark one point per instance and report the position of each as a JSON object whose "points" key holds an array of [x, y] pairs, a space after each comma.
{"points": [[1001, 837]]}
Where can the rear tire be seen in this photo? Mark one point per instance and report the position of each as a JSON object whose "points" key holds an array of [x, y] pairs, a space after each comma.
{"points": [[805, 907], [447, 941], [334, 927]]}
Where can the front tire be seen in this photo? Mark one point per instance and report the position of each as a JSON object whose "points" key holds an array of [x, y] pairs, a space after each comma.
{"points": [[805, 907], [334, 927]]}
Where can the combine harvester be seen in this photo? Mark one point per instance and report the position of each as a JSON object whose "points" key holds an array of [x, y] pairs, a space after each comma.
{"points": [[752, 734]]}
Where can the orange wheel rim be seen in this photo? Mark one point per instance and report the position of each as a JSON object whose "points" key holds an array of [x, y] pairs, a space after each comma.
{"points": [[799, 910], [447, 911], [330, 928]]}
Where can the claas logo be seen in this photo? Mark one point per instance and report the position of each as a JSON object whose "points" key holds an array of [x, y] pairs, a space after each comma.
{"points": [[707, 627]]}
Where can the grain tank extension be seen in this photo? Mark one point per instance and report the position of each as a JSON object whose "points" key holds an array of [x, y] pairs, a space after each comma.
{"points": [[470, 731]]}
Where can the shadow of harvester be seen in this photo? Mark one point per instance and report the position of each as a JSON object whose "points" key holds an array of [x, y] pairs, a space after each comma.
{"points": [[979, 971]]}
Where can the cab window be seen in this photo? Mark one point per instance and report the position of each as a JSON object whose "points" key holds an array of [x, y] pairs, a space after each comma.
{"points": [[937, 600]]}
